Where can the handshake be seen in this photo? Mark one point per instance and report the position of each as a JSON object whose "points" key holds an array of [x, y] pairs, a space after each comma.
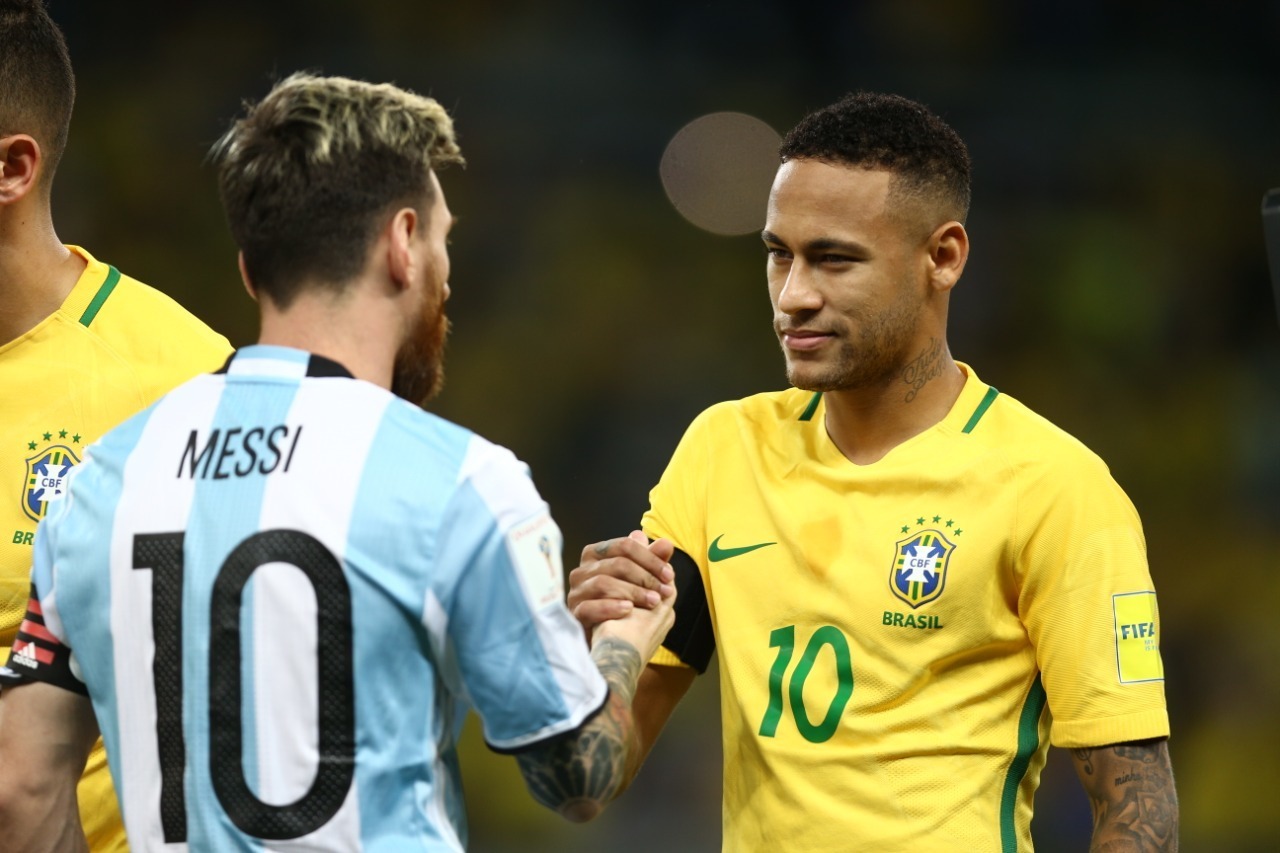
{"points": [[625, 589]]}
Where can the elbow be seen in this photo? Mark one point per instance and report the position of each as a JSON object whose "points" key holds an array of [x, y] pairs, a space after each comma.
{"points": [[16, 811], [581, 810]]}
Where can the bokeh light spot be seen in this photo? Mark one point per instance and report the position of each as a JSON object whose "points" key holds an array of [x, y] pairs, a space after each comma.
{"points": [[717, 171]]}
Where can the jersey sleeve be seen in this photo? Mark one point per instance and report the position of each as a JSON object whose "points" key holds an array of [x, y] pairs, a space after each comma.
{"points": [[677, 511], [520, 655], [40, 651], [1089, 607]]}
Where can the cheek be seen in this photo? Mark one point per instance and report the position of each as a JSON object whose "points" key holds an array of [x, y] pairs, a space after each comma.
{"points": [[776, 279]]}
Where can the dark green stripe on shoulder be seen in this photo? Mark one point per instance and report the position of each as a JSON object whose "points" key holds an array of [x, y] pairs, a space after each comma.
{"points": [[807, 414], [100, 298], [987, 400], [1028, 743]]}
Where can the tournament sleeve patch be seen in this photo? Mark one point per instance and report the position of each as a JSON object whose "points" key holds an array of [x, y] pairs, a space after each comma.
{"points": [[1137, 646], [38, 655], [534, 547]]}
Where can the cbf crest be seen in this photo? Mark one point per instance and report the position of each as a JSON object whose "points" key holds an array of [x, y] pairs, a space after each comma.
{"points": [[46, 479], [919, 571]]}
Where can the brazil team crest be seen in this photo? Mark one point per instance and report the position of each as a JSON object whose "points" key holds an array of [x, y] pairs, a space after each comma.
{"points": [[919, 570], [46, 478]]}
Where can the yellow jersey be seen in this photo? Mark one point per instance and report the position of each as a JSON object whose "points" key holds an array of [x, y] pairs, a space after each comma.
{"points": [[111, 349], [899, 642]]}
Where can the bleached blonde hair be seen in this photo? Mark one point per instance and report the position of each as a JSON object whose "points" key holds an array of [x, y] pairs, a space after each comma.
{"points": [[308, 173]]}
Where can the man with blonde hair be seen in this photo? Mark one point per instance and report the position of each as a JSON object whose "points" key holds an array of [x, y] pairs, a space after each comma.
{"points": [[82, 347], [310, 578]]}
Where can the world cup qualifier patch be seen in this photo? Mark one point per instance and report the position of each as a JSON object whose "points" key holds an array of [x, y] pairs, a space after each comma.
{"points": [[921, 557], [45, 478]]}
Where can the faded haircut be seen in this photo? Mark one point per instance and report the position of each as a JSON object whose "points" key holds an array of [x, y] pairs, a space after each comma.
{"points": [[308, 174], [37, 86], [890, 132]]}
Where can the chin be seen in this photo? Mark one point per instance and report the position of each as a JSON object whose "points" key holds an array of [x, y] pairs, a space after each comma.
{"points": [[808, 376]]}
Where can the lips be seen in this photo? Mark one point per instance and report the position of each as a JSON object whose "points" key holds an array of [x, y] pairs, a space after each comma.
{"points": [[802, 340]]}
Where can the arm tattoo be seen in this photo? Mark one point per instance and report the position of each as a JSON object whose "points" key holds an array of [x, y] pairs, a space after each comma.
{"points": [[576, 775], [1131, 791]]}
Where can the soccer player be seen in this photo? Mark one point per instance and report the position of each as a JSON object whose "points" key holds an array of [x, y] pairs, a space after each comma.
{"points": [[82, 347], [914, 583], [282, 585]]}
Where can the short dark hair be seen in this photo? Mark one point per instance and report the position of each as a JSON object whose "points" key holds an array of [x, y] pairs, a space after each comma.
{"points": [[307, 173], [37, 86], [889, 132]]}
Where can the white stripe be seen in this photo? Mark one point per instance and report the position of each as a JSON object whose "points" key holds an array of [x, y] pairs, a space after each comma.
{"points": [[268, 367], [162, 441], [503, 483], [316, 495], [436, 621]]}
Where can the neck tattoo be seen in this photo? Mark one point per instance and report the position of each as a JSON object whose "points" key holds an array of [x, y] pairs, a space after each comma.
{"points": [[924, 367]]}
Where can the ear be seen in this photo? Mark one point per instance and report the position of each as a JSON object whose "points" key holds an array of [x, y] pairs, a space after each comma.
{"points": [[402, 236], [20, 163], [948, 253], [244, 278]]}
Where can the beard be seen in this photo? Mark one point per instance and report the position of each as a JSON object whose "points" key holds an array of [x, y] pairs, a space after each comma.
{"points": [[418, 372], [872, 354]]}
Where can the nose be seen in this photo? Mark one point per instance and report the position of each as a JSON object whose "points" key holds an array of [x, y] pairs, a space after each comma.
{"points": [[798, 291]]}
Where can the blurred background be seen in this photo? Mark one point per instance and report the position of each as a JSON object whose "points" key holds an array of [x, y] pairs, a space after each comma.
{"points": [[1117, 282]]}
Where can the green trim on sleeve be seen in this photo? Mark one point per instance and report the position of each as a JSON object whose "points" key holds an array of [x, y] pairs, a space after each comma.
{"points": [[100, 298], [1028, 741], [981, 410], [812, 407]]}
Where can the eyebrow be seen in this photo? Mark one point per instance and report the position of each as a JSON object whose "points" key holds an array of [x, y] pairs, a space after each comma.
{"points": [[822, 244]]}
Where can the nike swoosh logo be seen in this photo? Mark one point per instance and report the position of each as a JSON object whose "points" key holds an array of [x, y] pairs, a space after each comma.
{"points": [[715, 553]]}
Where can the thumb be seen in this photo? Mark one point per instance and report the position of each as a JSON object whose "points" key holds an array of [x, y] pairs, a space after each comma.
{"points": [[638, 536], [662, 549]]}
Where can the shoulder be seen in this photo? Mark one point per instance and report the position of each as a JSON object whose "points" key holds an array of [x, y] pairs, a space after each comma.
{"points": [[473, 463], [136, 312], [146, 333], [762, 413], [1028, 439], [1051, 471]]}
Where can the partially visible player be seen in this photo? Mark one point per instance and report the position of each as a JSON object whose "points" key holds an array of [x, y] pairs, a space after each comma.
{"points": [[82, 347], [913, 582], [283, 585]]}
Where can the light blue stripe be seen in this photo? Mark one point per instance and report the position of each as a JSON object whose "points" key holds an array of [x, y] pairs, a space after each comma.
{"points": [[226, 512], [401, 705], [83, 557], [500, 654], [275, 353]]}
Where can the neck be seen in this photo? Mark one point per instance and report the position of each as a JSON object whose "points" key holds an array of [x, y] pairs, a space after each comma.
{"points": [[36, 270], [350, 329], [867, 423]]}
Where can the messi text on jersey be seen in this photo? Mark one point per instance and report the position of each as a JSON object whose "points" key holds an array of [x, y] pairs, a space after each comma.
{"points": [[239, 452]]}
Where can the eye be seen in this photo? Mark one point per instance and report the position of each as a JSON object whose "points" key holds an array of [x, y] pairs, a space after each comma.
{"points": [[776, 253]]}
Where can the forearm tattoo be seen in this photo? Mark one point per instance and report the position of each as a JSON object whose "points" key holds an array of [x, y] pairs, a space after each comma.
{"points": [[579, 773], [927, 365], [1130, 787]]}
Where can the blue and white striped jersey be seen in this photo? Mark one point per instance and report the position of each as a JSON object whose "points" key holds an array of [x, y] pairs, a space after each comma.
{"points": [[282, 588]]}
